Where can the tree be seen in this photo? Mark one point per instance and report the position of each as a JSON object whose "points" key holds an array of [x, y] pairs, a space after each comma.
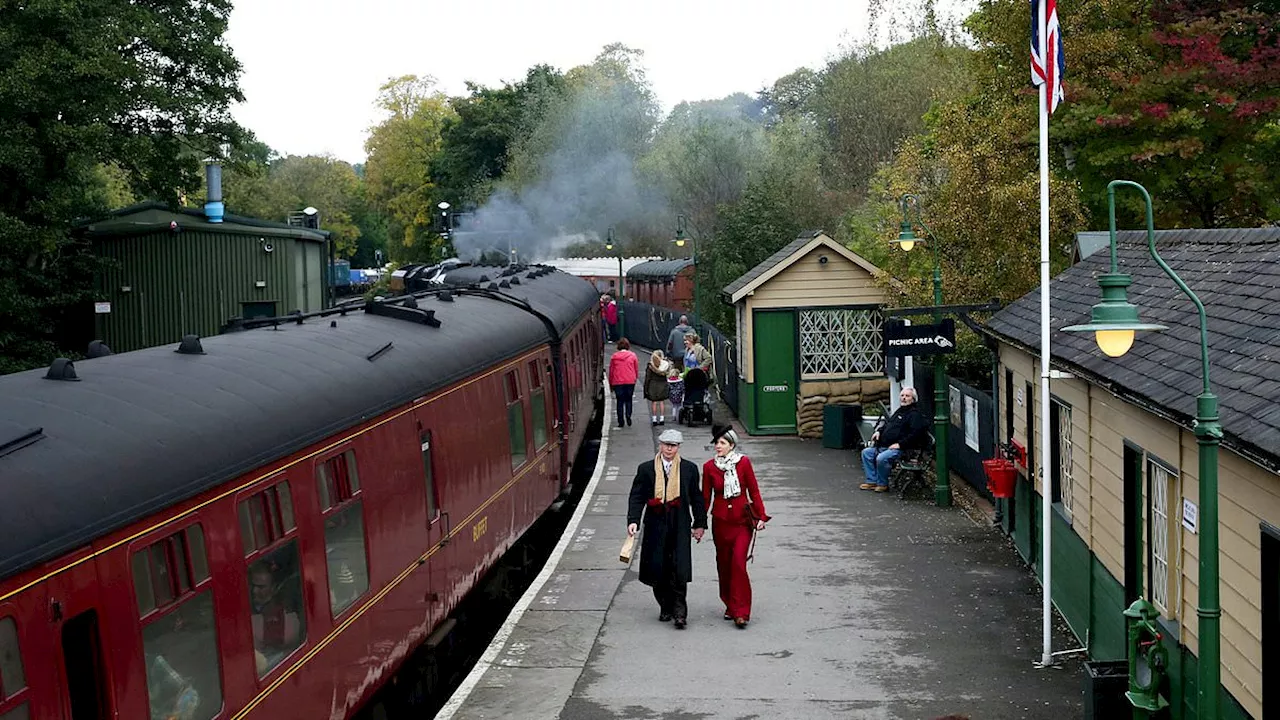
{"points": [[94, 95], [1196, 121], [327, 184], [475, 145], [870, 100], [401, 149]]}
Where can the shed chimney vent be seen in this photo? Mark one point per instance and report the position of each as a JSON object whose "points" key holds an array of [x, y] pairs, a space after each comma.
{"points": [[213, 208]]}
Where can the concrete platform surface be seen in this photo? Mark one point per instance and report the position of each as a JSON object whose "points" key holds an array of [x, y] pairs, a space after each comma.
{"points": [[864, 607]]}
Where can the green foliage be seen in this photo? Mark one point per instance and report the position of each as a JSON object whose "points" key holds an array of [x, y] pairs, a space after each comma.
{"points": [[1194, 118], [401, 149], [100, 100]]}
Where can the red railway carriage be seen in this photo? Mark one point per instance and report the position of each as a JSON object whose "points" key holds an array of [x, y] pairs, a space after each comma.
{"points": [[264, 524]]}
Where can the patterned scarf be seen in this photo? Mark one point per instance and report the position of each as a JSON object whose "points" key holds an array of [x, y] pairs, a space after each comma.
{"points": [[670, 490], [728, 465]]}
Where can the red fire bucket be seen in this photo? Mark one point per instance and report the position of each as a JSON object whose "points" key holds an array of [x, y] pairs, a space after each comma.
{"points": [[1000, 477]]}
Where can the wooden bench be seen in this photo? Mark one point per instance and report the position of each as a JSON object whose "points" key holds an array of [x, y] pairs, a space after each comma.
{"points": [[913, 467]]}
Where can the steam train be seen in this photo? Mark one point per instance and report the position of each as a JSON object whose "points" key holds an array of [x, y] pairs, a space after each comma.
{"points": [[266, 523]]}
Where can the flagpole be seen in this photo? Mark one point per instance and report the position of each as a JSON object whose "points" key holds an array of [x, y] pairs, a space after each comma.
{"points": [[1046, 492]]}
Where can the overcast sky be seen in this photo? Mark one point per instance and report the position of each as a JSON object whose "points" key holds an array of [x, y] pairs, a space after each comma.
{"points": [[312, 68]]}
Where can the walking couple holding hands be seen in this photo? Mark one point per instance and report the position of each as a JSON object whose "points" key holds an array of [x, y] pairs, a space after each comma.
{"points": [[667, 495]]}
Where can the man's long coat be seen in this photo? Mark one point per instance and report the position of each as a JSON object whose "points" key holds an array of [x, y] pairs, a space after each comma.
{"points": [[690, 513]]}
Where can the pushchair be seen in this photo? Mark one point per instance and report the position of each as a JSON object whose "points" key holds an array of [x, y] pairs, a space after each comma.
{"points": [[696, 409]]}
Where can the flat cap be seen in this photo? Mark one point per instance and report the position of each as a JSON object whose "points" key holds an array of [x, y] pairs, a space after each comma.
{"points": [[671, 437]]}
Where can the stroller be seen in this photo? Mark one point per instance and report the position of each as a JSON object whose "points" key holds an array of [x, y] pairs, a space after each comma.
{"points": [[696, 409]]}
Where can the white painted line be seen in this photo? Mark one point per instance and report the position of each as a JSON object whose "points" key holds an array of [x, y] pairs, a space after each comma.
{"points": [[500, 640]]}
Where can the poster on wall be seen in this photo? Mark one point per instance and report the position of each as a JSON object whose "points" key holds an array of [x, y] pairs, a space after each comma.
{"points": [[953, 401], [971, 422]]}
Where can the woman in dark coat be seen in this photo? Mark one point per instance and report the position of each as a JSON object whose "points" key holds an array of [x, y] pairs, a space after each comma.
{"points": [[738, 511], [656, 388], [666, 492]]}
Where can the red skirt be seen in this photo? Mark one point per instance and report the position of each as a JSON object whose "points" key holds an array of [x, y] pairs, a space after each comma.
{"points": [[733, 542]]}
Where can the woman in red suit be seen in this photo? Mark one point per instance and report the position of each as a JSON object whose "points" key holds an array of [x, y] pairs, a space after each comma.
{"points": [[737, 513]]}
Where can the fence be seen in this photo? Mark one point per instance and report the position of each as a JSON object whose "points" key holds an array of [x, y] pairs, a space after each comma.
{"points": [[972, 436], [649, 325]]}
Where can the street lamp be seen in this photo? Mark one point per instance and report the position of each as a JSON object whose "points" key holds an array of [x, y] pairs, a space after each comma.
{"points": [[1114, 322], [679, 241], [608, 245], [907, 240]]}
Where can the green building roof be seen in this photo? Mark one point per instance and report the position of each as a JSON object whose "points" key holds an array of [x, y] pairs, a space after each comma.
{"points": [[153, 215]]}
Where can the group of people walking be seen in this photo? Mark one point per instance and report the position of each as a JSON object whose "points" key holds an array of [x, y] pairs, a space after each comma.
{"points": [[663, 376], [671, 500]]}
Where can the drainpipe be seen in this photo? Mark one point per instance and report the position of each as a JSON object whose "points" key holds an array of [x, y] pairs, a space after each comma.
{"points": [[213, 208]]}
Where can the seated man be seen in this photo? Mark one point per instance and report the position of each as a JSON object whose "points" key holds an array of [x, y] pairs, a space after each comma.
{"points": [[277, 630], [906, 429]]}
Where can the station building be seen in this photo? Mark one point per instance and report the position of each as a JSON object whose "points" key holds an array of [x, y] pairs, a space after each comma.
{"points": [[1123, 478]]}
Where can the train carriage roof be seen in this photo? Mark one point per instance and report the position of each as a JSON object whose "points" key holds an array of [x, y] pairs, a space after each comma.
{"points": [[142, 431]]}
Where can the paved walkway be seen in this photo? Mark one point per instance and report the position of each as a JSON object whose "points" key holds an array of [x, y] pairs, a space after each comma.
{"points": [[865, 607]]}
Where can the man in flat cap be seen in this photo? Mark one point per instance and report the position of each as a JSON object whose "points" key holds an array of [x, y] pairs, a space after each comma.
{"points": [[667, 493]]}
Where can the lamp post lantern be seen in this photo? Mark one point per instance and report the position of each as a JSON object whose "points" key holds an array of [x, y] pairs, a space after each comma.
{"points": [[609, 245], [907, 240], [679, 241], [1114, 322]]}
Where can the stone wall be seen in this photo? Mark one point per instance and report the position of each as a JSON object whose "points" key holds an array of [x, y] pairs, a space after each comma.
{"points": [[817, 394]]}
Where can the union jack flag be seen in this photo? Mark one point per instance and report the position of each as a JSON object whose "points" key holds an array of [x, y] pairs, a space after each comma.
{"points": [[1049, 75]]}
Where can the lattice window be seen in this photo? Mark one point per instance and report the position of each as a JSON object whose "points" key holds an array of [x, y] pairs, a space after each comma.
{"points": [[840, 342], [1066, 485], [1160, 545]]}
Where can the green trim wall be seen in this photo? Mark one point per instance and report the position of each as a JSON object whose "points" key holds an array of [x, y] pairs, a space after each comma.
{"points": [[1091, 600], [747, 406]]}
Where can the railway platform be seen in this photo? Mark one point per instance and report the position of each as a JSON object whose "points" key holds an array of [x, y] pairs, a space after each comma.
{"points": [[865, 607]]}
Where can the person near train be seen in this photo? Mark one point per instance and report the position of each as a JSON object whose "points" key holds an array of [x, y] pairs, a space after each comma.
{"points": [[624, 369], [732, 493], [656, 387], [675, 338], [666, 495], [610, 311]]}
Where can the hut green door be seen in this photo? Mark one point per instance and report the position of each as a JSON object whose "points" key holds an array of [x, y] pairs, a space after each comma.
{"points": [[774, 333]]}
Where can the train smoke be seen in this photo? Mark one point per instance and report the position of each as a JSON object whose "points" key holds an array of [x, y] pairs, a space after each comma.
{"points": [[585, 183]]}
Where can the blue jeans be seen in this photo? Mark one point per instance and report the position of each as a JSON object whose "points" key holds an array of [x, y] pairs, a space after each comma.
{"points": [[624, 393], [877, 464]]}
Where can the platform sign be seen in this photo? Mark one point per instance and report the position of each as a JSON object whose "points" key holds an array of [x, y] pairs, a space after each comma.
{"points": [[1190, 515], [918, 340]]}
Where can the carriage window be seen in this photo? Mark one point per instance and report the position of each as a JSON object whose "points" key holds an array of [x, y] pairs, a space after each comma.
{"points": [[515, 419], [267, 530], [168, 569], [12, 678], [342, 506], [265, 518], [538, 396], [179, 643], [433, 501], [18, 713]]}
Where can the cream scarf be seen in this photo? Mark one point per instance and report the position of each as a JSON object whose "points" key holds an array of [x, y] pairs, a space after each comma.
{"points": [[670, 490], [728, 465]]}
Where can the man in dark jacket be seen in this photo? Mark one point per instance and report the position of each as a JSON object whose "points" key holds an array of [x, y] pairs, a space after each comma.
{"points": [[675, 341], [667, 492], [906, 429]]}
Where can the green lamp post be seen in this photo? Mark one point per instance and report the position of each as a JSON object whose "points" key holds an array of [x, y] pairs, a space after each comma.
{"points": [[609, 245], [1114, 322], [907, 241], [679, 241]]}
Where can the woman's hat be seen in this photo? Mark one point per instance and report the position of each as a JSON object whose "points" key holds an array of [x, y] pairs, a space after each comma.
{"points": [[726, 432], [671, 437]]}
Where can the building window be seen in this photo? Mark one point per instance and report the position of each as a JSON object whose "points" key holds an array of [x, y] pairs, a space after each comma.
{"points": [[433, 499], [840, 342], [1161, 543], [515, 419], [179, 641], [275, 575], [342, 507], [1063, 482], [538, 398], [13, 678]]}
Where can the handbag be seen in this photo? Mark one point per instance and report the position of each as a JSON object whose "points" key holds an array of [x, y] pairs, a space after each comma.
{"points": [[628, 548]]}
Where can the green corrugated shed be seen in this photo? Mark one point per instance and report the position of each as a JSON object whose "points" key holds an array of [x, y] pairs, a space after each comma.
{"points": [[172, 272]]}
